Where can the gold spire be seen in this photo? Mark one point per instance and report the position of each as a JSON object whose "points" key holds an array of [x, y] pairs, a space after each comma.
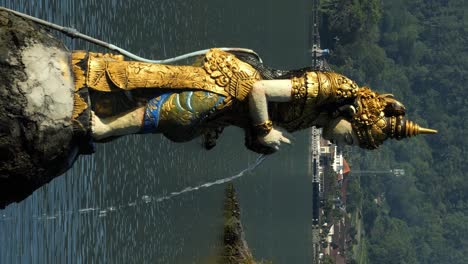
{"points": [[413, 129], [423, 130]]}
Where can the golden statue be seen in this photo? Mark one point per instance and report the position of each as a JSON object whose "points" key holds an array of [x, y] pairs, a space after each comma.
{"points": [[232, 88], [55, 105]]}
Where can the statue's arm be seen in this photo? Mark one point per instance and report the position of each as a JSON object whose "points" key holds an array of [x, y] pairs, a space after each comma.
{"points": [[267, 91], [262, 92]]}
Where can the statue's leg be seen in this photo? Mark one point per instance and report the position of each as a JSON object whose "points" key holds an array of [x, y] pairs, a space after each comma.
{"points": [[183, 116], [126, 123]]}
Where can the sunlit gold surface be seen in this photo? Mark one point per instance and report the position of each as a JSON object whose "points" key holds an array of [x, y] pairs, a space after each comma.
{"points": [[235, 76], [340, 86], [79, 106], [78, 72], [369, 122], [309, 93], [315, 90], [315, 95], [373, 125], [298, 88], [222, 73]]}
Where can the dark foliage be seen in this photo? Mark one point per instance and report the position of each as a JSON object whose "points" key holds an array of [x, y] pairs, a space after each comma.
{"points": [[416, 50]]}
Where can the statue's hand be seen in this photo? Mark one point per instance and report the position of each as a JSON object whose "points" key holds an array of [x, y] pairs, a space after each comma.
{"points": [[275, 138]]}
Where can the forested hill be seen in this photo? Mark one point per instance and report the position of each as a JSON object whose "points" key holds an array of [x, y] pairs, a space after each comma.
{"points": [[417, 50]]}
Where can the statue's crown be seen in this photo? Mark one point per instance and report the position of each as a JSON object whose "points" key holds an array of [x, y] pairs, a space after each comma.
{"points": [[379, 117]]}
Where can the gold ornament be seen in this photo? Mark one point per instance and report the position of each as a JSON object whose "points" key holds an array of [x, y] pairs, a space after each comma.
{"points": [[236, 76], [264, 128], [373, 127], [79, 106], [309, 92], [222, 73], [407, 128], [298, 89]]}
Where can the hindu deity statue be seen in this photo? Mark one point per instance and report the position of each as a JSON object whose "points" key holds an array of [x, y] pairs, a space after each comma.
{"points": [[56, 104], [232, 88]]}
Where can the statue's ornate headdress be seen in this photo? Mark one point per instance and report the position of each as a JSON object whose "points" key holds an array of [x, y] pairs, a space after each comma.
{"points": [[379, 117]]}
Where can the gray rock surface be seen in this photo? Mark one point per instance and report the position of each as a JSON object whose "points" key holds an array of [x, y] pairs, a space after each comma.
{"points": [[37, 140]]}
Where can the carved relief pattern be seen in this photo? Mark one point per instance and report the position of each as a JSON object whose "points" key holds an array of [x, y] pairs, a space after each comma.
{"points": [[343, 87], [234, 75], [298, 88], [369, 122], [222, 73]]}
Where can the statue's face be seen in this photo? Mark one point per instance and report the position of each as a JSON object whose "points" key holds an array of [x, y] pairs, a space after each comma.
{"points": [[340, 132]]}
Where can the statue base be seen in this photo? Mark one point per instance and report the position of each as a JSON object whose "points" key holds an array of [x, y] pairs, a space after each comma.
{"points": [[39, 140]]}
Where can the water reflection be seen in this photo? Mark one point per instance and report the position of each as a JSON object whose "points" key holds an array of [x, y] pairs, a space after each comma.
{"points": [[144, 199], [77, 217]]}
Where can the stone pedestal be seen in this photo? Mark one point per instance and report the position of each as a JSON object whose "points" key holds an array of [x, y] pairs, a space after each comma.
{"points": [[37, 136]]}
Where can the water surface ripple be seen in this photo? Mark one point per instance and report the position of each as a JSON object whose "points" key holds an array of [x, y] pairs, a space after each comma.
{"points": [[79, 219]]}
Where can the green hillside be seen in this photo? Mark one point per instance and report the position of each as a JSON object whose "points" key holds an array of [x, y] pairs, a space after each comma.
{"points": [[417, 50]]}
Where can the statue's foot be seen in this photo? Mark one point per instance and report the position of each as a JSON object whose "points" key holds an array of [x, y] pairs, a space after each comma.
{"points": [[99, 129]]}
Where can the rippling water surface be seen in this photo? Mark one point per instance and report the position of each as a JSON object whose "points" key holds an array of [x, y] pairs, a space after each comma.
{"points": [[106, 209]]}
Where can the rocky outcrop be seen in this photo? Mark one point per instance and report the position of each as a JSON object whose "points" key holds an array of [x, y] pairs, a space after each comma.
{"points": [[37, 140]]}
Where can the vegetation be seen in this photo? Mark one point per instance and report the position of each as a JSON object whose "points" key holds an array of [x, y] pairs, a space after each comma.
{"points": [[416, 50], [331, 206]]}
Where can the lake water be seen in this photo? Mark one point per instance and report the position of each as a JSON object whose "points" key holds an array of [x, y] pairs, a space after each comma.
{"points": [[106, 209]]}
